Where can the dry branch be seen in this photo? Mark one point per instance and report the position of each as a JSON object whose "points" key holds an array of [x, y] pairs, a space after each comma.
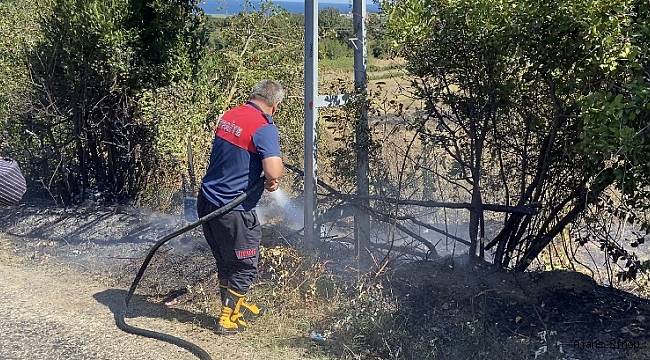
{"points": [[390, 219], [525, 209]]}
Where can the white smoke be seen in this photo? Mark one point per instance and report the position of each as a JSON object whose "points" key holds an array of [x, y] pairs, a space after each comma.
{"points": [[294, 212]]}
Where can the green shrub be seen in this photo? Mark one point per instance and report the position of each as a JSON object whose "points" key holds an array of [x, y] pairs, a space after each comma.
{"points": [[333, 49]]}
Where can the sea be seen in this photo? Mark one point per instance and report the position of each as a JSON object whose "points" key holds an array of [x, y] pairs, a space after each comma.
{"points": [[229, 7]]}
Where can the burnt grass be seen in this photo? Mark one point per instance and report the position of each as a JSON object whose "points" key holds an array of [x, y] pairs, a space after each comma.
{"points": [[445, 309], [477, 312]]}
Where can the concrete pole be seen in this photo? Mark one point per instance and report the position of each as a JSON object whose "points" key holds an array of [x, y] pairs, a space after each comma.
{"points": [[312, 234], [361, 219]]}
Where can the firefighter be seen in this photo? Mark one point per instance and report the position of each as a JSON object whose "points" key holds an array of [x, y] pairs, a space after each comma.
{"points": [[246, 146]]}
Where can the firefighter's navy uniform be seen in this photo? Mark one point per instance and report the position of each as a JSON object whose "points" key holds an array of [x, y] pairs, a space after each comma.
{"points": [[244, 136]]}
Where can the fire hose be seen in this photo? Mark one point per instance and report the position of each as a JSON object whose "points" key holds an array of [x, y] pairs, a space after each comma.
{"points": [[120, 316]]}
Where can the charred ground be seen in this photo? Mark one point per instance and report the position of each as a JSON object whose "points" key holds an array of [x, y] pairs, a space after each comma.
{"points": [[444, 309]]}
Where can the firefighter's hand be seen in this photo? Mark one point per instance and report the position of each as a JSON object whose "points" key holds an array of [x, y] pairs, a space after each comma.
{"points": [[271, 185]]}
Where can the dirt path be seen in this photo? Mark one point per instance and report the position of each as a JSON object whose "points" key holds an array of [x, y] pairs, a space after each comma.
{"points": [[49, 316]]}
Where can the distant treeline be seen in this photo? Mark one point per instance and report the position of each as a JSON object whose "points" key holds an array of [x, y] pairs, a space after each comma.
{"points": [[335, 29]]}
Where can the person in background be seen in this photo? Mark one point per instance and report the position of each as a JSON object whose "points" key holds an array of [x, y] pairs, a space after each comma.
{"points": [[246, 146], [12, 182]]}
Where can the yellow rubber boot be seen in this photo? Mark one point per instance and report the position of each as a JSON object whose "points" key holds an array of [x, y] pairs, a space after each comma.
{"points": [[231, 320], [250, 311]]}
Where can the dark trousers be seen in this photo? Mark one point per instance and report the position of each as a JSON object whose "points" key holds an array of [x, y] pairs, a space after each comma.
{"points": [[234, 239]]}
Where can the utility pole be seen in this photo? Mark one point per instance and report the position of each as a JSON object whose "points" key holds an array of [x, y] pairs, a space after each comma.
{"points": [[362, 131], [313, 101], [312, 234]]}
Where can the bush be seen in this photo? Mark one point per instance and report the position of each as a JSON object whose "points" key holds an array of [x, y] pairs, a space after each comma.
{"points": [[333, 49]]}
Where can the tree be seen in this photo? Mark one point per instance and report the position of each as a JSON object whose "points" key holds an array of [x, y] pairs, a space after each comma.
{"points": [[18, 34], [379, 43], [332, 24], [108, 96], [254, 45], [94, 60], [516, 92], [265, 44]]}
